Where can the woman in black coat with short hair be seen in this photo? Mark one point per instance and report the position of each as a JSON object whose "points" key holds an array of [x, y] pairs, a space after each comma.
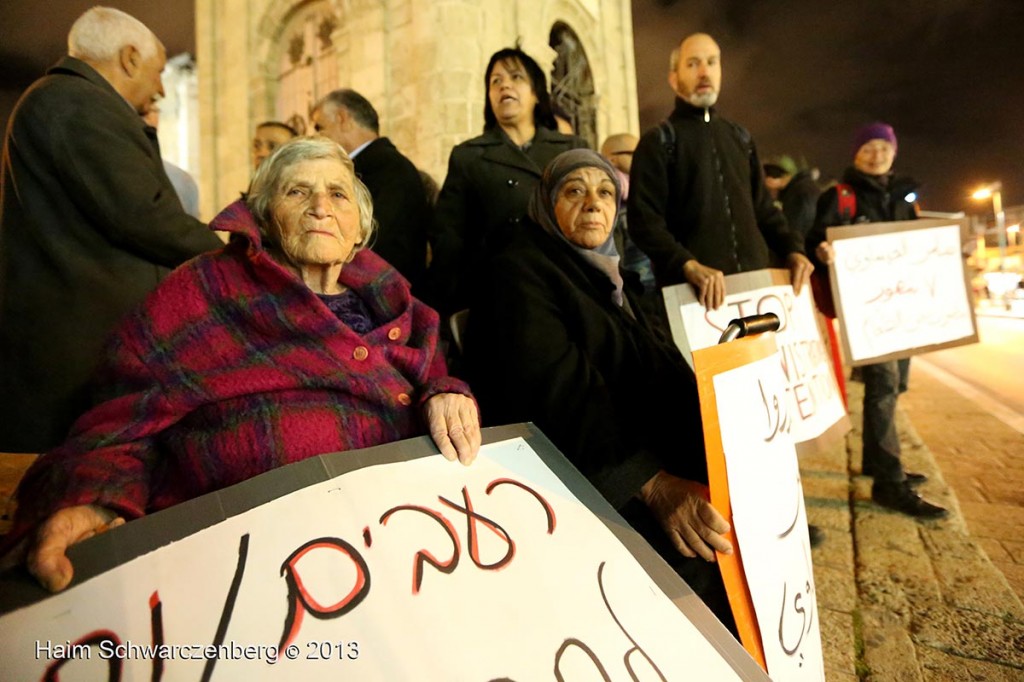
{"points": [[491, 177]]}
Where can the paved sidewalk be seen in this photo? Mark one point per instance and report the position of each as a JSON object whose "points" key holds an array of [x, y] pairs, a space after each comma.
{"points": [[907, 600]]}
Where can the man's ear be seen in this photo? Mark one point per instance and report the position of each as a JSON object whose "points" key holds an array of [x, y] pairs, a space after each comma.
{"points": [[673, 81], [129, 59], [342, 116]]}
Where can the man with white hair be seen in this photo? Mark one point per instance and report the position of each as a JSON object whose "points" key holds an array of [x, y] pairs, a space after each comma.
{"points": [[89, 222], [698, 205]]}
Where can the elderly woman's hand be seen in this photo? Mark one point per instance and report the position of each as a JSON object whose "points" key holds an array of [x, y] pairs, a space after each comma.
{"points": [[47, 556], [454, 424], [685, 512]]}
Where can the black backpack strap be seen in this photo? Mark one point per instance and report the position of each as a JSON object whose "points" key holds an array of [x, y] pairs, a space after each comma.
{"points": [[667, 135], [744, 137]]}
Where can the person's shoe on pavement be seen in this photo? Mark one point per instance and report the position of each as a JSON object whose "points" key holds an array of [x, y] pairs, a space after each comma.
{"points": [[900, 496], [913, 478], [815, 535]]}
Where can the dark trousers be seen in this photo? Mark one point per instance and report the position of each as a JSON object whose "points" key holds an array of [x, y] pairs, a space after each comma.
{"points": [[881, 441], [904, 365]]}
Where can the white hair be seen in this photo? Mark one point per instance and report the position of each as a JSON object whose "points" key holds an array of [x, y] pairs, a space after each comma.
{"points": [[100, 33]]}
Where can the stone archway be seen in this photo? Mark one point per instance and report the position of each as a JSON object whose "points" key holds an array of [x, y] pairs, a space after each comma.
{"points": [[306, 65], [572, 82]]}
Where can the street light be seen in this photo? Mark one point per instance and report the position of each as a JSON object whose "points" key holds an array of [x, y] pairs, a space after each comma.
{"points": [[995, 191]]}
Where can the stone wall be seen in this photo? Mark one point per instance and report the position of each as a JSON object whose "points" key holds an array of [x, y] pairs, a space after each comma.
{"points": [[420, 62]]}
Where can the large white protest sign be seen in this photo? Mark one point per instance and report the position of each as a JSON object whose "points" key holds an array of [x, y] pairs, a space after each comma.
{"points": [[747, 423], [417, 570], [900, 289], [815, 403]]}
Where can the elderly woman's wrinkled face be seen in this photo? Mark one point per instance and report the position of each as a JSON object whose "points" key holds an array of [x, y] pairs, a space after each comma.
{"points": [[585, 207], [316, 213]]}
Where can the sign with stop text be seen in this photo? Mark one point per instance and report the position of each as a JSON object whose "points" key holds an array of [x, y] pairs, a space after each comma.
{"points": [[815, 404], [420, 569]]}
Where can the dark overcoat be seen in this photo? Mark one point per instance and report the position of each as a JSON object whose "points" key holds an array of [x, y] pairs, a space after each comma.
{"points": [[545, 343], [89, 225], [400, 208], [484, 198]]}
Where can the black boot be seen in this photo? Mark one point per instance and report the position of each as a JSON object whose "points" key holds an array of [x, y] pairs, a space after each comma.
{"points": [[899, 496], [913, 478], [815, 535]]}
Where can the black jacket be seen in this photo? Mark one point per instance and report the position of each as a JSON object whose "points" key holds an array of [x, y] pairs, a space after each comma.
{"points": [[484, 198], [708, 203], [799, 201], [877, 202], [400, 208], [545, 343], [89, 224]]}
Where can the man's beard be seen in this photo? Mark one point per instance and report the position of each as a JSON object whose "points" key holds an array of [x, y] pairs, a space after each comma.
{"points": [[704, 100]]}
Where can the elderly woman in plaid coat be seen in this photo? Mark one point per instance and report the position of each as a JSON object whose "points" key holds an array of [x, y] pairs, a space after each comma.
{"points": [[290, 342]]}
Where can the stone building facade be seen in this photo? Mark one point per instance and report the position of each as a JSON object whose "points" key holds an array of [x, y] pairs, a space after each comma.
{"points": [[420, 62]]}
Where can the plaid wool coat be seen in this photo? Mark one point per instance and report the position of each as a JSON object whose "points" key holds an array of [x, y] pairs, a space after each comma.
{"points": [[233, 367]]}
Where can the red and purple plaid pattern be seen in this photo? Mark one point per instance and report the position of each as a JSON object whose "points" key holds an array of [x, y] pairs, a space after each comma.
{"points": [[232, 367]]}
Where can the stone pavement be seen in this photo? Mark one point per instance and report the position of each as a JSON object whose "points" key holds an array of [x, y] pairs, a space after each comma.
{"points": [[907, 600]]}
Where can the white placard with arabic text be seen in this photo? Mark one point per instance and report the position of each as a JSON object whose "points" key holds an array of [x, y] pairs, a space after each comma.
{"points": [[900, 289], [769, 517]]}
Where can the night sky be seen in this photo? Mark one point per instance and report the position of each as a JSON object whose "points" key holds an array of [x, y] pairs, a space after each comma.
{"points": [[801, 75]]}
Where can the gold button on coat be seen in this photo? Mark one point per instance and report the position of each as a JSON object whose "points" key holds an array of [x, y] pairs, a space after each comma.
{"points": [[394, 333], [404, 399], [360, 353]]}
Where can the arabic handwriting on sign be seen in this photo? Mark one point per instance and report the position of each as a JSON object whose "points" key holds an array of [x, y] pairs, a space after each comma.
{"points": [[779, 419], [865, 259], [801, 604], [936, 249], [796, 514], [887, 293]]}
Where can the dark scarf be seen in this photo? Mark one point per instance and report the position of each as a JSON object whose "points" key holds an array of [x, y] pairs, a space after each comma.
{"points": [[605, 257]]}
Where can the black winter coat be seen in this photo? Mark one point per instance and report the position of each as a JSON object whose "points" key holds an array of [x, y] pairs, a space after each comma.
{"points": [[876, 203], [545, 343], [484, 198], [89, 225], [708, 203], [799, 201], [400, 208]]}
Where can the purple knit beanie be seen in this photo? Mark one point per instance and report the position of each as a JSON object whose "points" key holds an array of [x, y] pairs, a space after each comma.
{"points": [[874, 131]]}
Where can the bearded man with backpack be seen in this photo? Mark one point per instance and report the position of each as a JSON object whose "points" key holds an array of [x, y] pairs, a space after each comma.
{"points": [[698, 206]]}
